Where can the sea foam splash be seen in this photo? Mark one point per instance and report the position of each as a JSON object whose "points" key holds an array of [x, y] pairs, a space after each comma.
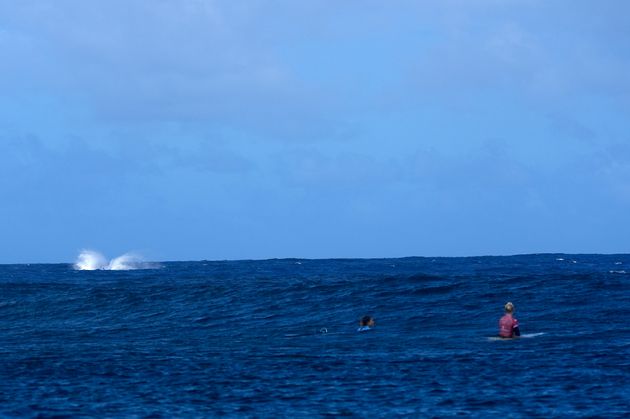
{"points": [[90, 260]]}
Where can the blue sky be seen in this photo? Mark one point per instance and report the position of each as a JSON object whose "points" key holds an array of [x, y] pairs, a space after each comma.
{"points": [[200, 129]]}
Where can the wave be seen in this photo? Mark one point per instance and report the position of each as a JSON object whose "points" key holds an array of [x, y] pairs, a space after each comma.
{"points": [[90, 260]]}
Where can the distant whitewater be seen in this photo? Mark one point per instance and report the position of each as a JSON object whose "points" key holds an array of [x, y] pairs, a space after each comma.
{"points": [[90, 260]]}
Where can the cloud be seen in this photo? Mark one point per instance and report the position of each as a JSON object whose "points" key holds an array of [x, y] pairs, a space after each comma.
{"points": [[529, 52], [133, 62], [566, 126], [298, 71]]}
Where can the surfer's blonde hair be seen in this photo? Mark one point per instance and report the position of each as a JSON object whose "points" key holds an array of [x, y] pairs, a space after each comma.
{"points": [[509, 307]]}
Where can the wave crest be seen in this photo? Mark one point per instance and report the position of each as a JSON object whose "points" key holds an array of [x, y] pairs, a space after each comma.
{"points": [[90, 260]]}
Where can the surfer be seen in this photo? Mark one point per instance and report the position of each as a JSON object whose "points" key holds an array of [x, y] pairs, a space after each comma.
{"points": [[366, 323], [508, 325]]}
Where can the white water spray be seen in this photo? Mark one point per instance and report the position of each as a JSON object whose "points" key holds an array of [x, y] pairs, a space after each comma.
{"points": [[90, 260]]}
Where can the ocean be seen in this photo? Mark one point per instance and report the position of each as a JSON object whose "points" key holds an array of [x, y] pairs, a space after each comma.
{"points": [[278, 338]]}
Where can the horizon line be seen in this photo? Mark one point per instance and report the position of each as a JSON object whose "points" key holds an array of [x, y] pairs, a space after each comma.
{"points": [[339, 258]]}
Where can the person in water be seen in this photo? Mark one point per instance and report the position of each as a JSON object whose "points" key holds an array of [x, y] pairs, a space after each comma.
{"points": [[508, 325], [366, 323]]}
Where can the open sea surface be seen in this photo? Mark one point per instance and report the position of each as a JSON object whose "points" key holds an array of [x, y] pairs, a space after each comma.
{"points": [[277, 338]]}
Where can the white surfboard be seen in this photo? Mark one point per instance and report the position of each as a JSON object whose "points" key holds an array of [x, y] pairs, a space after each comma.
{"points": [[523, 336]]}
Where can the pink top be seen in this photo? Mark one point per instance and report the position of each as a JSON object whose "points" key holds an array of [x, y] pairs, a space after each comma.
{"points": [[507, 324]]}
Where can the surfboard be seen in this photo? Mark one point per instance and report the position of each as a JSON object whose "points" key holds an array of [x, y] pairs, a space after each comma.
{"points": [[523, 336], [532, 335]]}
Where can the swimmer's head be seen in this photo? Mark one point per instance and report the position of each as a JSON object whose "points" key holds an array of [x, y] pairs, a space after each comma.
{"points": [[509, 307], [367, 321]]}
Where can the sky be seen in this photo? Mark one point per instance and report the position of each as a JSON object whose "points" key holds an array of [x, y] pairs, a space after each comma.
{"points": [[211, 129]]}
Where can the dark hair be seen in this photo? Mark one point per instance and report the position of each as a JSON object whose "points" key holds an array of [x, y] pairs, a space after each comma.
{"points": [[365, 320]]}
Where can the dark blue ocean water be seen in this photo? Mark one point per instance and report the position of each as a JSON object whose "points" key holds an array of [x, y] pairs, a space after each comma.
{"points": [[278, 338]]}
